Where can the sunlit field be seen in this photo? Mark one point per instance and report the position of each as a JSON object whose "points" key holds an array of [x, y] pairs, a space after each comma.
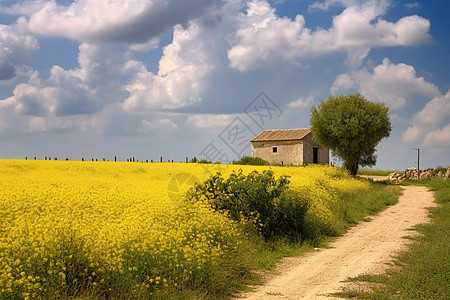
{"points": [[117, 228]]}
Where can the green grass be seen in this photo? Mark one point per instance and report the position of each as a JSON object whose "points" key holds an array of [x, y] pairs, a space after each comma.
{"points": [[422, 272], [376, 172], [356, 207]]}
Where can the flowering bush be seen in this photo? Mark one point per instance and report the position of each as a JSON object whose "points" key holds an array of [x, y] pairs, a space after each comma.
{"points": [[259, 198]]}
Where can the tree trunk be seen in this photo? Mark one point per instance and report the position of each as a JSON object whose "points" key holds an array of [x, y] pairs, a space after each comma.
{"points": [[352, 168]]}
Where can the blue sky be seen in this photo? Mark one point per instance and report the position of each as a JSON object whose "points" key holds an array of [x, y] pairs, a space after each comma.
{"points": [[179, 78]]}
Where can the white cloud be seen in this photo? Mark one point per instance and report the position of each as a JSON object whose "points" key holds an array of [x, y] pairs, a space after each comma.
{"points": [[133, 21], [437, 111], [412, 5], [106, 77], [181, 77], [264, 37], [411, 134], [24, 8], [210, 121], [15, 50], [85, 90], [438, 137], [431, 125], [301, 102], [160, 124], [325, 5], [6, 113], [188, 65], [390, 83]]}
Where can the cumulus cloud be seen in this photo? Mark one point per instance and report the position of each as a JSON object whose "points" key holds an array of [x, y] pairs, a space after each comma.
{"points": [[438, 137], [201, 39], [106, 76], [84, 90], [133, 21], [390, 83], [431, 125], [15, 51], [301, 102], [183, 71], [265, 37]]}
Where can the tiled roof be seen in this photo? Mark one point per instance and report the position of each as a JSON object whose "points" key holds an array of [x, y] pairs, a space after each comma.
{"points": [[281, 135]]}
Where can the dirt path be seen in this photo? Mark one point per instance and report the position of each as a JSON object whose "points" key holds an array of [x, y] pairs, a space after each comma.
{"points": [[366, 249]]}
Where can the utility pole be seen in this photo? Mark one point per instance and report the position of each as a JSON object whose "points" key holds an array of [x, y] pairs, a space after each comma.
{"points": [[418, 165]]}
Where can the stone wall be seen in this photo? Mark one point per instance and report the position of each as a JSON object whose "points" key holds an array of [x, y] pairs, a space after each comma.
{"points": [[308, 156], [411, 173], [288, 152]]}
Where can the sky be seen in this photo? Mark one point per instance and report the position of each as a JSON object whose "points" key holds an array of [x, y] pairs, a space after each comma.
{"points": [[184, 78]]}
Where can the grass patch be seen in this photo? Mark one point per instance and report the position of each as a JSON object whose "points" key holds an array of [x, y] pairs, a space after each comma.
{"points": [[376, 172], [355, 207], [424, 269]]}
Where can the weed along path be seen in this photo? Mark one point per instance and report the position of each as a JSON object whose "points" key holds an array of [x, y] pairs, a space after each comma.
{"points": [[366, 249]]}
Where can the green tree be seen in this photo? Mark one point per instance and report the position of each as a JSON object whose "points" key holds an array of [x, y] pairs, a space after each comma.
{"points": [[351, 127]]}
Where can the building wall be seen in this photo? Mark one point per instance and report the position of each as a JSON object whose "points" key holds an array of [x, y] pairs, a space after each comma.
{"points": [[291, 152], [288, 152], [308, 154]]}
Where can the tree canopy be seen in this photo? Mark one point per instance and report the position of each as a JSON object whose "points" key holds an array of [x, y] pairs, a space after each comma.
{"points": [[351, 127]]}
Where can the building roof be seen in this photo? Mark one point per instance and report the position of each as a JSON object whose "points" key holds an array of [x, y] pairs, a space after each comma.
{"points": [[281, 135]]}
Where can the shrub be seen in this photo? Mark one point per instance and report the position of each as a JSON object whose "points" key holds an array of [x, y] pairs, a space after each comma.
{"points": [[439, 169], [248, 160], [204, 161], [257, 198]]}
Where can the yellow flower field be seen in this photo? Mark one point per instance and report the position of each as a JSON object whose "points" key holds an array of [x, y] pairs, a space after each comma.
{"points": [[106, 226]]}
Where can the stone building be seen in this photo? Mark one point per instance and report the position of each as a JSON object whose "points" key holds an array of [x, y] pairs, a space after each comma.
{"points": [[289, 147]]}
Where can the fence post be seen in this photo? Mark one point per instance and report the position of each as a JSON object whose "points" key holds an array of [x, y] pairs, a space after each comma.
{"points": [[161, 158], [115, 158]]}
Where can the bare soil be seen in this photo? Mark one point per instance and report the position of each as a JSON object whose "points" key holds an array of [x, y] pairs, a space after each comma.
{"points": [[367, 248]]}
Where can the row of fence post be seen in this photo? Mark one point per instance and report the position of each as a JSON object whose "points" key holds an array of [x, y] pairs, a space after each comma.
{"points": [[131, 159]]}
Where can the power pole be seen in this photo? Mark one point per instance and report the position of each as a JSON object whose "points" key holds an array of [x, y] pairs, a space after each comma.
{"points": [[418, 165]]}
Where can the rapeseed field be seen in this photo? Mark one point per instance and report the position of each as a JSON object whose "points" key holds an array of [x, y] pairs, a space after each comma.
{"points": [[126, 228]]}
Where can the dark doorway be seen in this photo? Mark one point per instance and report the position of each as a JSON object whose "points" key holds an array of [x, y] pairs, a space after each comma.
{"points": [[315, 155]]}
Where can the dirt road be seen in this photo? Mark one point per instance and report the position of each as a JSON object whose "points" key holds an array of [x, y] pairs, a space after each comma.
{"points": [[366, 249]]}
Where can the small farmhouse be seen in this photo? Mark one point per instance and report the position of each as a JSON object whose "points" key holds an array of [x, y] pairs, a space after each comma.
{"points": [[289, 147]]}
